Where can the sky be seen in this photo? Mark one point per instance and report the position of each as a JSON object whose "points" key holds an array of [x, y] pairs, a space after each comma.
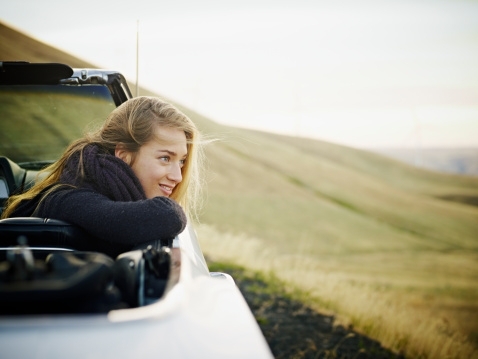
{"points": [[369, 73]]}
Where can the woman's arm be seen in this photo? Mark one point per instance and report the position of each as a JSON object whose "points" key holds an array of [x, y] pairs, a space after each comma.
{"points": [[129, 223]]}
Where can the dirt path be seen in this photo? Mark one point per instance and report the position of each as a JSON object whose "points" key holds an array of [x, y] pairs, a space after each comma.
{"points": [[294, 330]]}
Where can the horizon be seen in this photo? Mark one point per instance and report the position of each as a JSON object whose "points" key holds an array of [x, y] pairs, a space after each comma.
{"points": [[366, 75]]}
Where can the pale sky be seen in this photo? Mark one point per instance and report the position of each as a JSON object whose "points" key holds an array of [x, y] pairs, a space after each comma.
{"points": [[361, 73]]}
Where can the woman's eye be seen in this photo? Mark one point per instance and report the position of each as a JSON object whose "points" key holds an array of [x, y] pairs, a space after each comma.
{"points": [[165, 159], [182, 162]]}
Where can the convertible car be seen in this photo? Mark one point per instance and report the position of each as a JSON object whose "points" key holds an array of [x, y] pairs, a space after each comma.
{"points": [[60, 295]]}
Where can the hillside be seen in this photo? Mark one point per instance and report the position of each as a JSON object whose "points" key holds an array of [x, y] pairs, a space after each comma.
{"points": [[384, 244], [16, 46]]}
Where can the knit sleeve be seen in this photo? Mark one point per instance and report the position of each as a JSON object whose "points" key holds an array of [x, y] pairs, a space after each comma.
{"points": [[125, 223]]}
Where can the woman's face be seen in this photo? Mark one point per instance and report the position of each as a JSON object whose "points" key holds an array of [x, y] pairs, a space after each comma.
{"points": [[158, 163]]}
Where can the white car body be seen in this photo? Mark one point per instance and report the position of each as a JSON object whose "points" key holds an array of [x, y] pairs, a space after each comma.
{"points": [[203, 315]]}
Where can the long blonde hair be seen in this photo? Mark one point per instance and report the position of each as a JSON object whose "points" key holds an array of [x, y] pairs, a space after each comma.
{"points": [[131, 124]]}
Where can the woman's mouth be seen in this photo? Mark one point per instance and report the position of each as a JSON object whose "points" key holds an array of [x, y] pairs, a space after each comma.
{"points": [[167, 190]]}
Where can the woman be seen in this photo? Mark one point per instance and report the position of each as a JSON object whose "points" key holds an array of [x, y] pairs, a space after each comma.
{"points": [[125, 184]]}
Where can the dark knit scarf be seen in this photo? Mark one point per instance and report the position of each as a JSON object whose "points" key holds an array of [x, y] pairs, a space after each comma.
{"points": [[103, 173]]}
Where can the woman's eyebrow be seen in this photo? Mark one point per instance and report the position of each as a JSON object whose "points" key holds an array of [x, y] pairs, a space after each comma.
{"points": [[172, 153]]}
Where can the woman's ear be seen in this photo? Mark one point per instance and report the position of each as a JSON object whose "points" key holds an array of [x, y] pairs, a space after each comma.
{"points": [[122, 153]]}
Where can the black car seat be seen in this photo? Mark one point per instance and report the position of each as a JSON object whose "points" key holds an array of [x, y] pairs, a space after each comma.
{"points": [[43, 232], [12, 178], [36, 232]]}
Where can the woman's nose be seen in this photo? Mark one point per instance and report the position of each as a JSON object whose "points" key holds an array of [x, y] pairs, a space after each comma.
{"points": [[175, 173]]}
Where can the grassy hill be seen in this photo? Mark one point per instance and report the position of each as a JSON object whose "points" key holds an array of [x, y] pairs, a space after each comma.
{"points": [[391, 248]]}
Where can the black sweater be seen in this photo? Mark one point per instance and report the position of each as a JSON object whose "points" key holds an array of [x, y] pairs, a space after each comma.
{"points": [[120, 226]]}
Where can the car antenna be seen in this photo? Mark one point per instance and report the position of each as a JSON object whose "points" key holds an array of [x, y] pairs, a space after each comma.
{"points": [[137, 57]]}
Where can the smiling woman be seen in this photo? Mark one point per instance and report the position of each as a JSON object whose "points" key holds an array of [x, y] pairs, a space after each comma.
{"points": [[128, 183]]}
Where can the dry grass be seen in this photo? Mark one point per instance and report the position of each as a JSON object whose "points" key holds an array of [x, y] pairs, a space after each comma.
{"points": [[413, 315]]}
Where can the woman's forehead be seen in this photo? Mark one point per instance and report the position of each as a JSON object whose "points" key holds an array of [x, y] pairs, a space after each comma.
{"points": [[171, 139], [169, 135]]}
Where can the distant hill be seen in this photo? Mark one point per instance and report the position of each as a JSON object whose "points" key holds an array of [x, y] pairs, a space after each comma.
{"points": [[452, 160]]}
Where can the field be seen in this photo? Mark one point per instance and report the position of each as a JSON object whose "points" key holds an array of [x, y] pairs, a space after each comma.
{"points": [[367, 237], [387, 248]]}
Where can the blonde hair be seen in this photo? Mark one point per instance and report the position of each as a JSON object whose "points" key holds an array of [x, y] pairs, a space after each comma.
{"points": [[132, 125]]}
